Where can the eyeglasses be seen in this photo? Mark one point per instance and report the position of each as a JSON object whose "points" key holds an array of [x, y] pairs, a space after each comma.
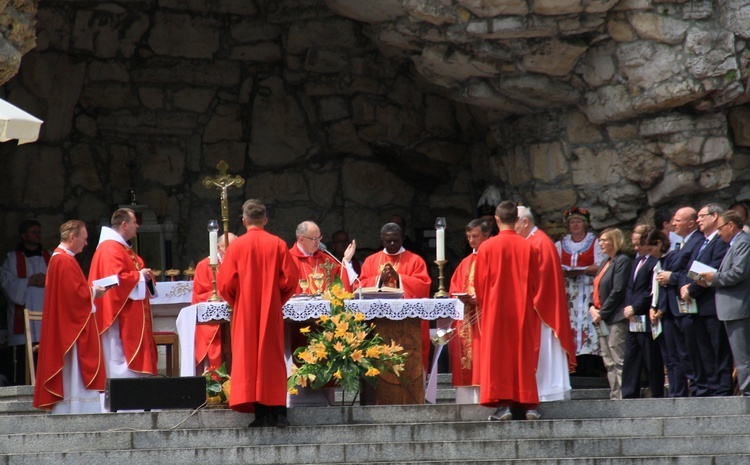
{"points": [[719, 228], [702, 215], [314, 239]]}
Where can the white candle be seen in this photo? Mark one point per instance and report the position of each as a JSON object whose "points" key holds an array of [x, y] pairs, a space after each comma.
{"points": [[440, 247], [213, 247]]}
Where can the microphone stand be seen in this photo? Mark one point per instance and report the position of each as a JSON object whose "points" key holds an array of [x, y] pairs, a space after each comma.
{"points": [[322, 247]]}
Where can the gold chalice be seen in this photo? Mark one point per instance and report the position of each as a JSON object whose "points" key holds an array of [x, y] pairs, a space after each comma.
{"points": [[318, 281], [304, 285], [172, 273]]}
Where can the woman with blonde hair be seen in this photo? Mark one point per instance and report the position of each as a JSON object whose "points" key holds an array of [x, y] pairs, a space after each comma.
{"points": [[608, 302]]}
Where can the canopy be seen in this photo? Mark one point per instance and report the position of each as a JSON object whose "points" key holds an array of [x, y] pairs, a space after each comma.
{"points": [[17, 124]]}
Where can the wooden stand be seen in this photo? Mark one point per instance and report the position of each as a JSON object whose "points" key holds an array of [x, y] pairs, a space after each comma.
{"points": [[409, 387]]}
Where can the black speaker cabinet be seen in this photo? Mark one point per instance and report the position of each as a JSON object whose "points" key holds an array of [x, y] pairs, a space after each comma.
{"points": [[156, 392]]}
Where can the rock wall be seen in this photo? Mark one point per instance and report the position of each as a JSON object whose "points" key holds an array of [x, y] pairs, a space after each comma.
{"points": [[615, 105], [151, 95], [346, 111]]}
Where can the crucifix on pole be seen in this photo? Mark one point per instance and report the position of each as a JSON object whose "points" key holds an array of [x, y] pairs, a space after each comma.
{"points": [[223, 181]]}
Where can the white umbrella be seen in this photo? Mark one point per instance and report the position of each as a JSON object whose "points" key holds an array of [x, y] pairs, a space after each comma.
{"points": [[17, 124]]}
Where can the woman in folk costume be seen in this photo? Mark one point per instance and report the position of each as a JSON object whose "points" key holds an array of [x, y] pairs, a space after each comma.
{"points": [[579, 253]]}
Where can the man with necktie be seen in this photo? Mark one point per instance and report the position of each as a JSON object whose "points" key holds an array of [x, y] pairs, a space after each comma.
{"points": [[732, 283], [676, 264], [706, 340]]}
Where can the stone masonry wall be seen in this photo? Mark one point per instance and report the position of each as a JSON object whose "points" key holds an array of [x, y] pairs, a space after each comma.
{"points": [[151, 95], [614, 105], [346, 111]]}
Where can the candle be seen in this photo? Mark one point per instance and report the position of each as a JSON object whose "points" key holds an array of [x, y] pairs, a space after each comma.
{"points": [[213, 247], [440, 234]]}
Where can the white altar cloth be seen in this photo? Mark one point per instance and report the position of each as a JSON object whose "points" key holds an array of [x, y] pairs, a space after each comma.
{"points": [[173, 292], [187, 319], [306, 309]]}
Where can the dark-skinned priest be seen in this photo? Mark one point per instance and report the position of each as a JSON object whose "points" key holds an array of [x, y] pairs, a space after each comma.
{"points": [[70, 369], [396, 267], [506, 281], [258, 275]]}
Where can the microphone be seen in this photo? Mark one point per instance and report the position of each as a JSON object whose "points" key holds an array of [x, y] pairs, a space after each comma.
{"points": [[322, 247]]}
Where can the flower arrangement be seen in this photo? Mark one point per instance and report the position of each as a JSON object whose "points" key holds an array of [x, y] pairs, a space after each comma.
{"points": [[217, 385], [343, 348]]}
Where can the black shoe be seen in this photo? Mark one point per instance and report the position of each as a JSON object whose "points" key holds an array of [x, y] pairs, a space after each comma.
{"points": [[259, 422], [282, 422]]}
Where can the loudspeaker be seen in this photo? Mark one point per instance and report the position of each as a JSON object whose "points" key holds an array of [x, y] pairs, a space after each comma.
{"points": [[156, 392]]}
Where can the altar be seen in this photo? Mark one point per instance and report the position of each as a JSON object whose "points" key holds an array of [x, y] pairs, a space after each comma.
{"points": [[166, 303], [395, 319]]}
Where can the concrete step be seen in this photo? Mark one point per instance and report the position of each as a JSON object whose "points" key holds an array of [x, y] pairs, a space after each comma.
{"points": [[646, 431], [16, 399], [243, 451], [194, 433]]}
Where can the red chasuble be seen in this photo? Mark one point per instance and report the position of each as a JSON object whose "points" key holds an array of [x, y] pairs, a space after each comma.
{"points": [[258, 275], [67, 321], [207, 338], [551, 302], [506, 281], [415, 280], [461, 345], [410, 267], [308, 266], [134, 316]]}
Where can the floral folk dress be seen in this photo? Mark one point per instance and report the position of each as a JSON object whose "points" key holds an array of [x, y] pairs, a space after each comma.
{"points": [[579, 289]]}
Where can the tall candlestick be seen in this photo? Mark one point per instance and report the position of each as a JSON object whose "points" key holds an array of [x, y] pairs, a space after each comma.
{"points": [[440, 238], [213, 246], [440, 234], [213, 242]]}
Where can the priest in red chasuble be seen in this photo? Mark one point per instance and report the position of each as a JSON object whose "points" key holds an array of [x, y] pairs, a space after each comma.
{"points": [[258, 275], [124, 313], [70, 368], [312, 263], [506, 282], [466, 330], [396, 267], [207, 335], [557, 352]]}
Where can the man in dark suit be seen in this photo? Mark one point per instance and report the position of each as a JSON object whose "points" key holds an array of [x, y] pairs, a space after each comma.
{"points": [[675, 266], [705, 337], [732, 283], [640, 347]]}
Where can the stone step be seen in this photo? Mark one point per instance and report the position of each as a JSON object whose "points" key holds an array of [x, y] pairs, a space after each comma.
{"points": [[193, 432], [547, 450], [646, 431], [16, 399], [396, 414]]}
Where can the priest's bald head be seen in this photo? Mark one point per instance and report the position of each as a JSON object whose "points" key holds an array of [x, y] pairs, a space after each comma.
{"points": [[222, 245], [525, 222], [308, 236], [506, 215]]}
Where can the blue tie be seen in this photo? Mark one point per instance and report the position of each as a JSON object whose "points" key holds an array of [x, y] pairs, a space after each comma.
{"points": [[700, 252]]}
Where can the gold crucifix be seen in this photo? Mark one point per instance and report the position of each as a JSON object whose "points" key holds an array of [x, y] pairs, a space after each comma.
{"points": [[223, 181]]}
